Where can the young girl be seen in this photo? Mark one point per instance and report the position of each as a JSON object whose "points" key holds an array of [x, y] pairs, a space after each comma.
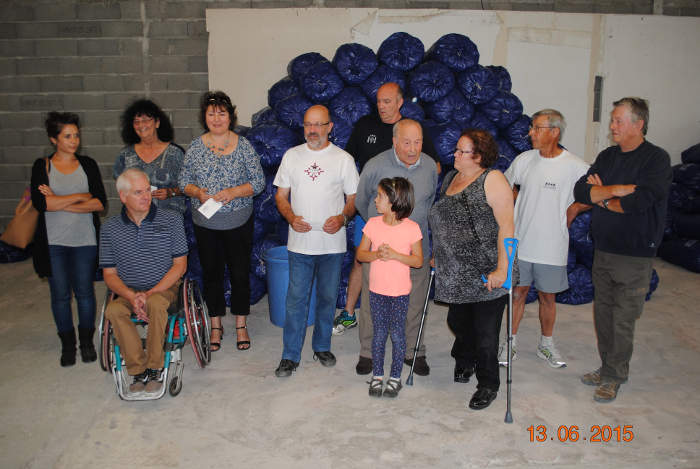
{"points": [[392, 244]]}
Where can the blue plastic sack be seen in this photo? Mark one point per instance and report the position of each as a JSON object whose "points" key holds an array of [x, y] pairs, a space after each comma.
{"points": [[684, 198], [517, 134], [502, 163], [382, 75], [301, 64], [505, 149], [683, 252], [265, 115], [350, 104], [321, 83], [257, 255], [354, 62], [284, 88], [580, 239], [456, 51], [264, 205], [687, 174], [503, 77], [478, 84], [480, 121], [10, 253], [653, 284], [411, 110], [504, 109], [290, 111], [691, 155], [580, 287], [282, 231], [431, 81], [261, 228], [340, 133], [453, 107], [258, 288], [401, 51], [271, 141], [686, 225], [445, 138]]}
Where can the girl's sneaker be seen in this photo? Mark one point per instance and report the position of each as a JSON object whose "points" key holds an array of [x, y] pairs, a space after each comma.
{"points": [[375, 387], [392, 387], [344, 321]]}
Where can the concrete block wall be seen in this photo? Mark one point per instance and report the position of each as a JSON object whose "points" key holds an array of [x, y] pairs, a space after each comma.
{"points": [[94, 56]]}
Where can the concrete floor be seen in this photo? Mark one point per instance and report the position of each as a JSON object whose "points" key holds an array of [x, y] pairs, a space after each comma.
{"points": [[235, 413]]}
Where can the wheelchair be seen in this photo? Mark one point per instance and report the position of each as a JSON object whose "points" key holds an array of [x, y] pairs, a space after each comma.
{"points": [[188, 320]]}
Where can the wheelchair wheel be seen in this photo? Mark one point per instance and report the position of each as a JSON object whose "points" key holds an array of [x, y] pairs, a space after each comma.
{"points": [[104, 334], [175, 386], [107, 346], [197, 320]]}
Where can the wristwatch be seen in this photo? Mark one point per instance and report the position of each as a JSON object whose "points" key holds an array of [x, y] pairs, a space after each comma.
{"points": [[605, 204], [346, 220]]}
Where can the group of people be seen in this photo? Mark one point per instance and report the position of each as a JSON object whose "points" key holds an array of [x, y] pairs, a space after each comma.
{"points": [[143, 250]]}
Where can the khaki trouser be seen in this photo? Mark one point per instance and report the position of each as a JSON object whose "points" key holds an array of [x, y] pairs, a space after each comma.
{"points": [[119, 314], [419, 285]]}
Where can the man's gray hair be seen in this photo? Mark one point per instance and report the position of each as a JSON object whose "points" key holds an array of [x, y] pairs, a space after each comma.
{"points": [[639, 108], [127, 177], [402, 122], [555, 119]]}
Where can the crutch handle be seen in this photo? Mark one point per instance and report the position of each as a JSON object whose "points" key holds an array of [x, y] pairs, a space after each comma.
{"points": [[511, 245]]}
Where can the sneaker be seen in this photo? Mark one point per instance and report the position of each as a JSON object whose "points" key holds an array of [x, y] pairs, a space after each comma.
{"points": [[326, 358], [285, 368], [551, 354], [592, 378], [139, 383], [421, 367], [375, 387], [155, 381], [343, 322], [503, 354], [393, 386], [364, 366], [606, 392]]}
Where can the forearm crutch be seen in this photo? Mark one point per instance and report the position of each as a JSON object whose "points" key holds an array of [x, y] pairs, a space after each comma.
{"points": [[409, 380]]}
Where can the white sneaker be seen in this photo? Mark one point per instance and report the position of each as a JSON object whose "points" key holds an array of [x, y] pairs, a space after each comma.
{"points": [[503, 354], [551, 355]]}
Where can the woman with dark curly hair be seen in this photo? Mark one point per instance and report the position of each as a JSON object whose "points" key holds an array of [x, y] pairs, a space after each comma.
{"points": [[223, 166], [67, 192], [469, 223], [148, 134]]}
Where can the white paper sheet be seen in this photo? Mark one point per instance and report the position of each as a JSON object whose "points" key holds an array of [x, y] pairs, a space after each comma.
{"points": [[210, 207]]}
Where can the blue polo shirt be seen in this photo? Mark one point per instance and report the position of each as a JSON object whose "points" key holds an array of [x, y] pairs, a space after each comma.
{"points": [[142, 254]]}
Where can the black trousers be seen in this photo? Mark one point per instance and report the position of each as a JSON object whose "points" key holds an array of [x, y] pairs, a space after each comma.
{"points": [[476, 327], [226, 248]]}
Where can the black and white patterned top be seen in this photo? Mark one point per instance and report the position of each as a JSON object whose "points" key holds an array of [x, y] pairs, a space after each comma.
{"points": [[465, 243]]}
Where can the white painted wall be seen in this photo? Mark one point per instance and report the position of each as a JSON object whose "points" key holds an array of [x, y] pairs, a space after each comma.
{"points": [[552, 59]]}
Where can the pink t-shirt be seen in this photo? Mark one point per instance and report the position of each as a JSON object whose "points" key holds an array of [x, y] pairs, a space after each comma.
{"points": [[391, 278]]}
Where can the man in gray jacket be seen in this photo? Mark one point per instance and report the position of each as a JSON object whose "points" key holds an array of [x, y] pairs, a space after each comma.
{"points": [[405, 160]]}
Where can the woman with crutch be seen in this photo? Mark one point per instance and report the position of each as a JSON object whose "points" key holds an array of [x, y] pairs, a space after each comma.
{"points": [[469, 223]]}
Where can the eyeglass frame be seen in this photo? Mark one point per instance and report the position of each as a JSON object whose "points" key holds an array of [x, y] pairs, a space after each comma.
{"points": [[311, 125]]}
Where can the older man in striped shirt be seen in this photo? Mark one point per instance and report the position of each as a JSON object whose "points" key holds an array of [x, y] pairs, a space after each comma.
{"points": [[143, 252]]}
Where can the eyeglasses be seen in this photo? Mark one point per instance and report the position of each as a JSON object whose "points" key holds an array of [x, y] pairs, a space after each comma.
{"points": [[459, 152], [143, 120], [309, 125], [538, 127]]}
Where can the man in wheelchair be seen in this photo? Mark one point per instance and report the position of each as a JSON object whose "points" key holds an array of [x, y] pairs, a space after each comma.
{"points": [[143, 253]]}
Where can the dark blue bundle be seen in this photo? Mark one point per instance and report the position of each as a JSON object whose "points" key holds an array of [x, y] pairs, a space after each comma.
{"points": [[412, 110], [355, 62], [454, 106], [653, 285], [504, 109], [480, 121], [258, 288], [350, 104], [264, 205], [688, 175], [381, 75], [282, 231], [290, 111], [261, 228], [531, 294], [445, 138], [478, 84], [431, 81], [684, 198], [10, 253], [580, 239], [241, 130], [321, 83], [340, 133], [683, 252], [686, 225], [301, 64], [257, 254], [505, 149], [401, 51], [271, 141], [691, 155], [284, 88], [502, 76], [570, 261], [502, 163], [265, 115], [456, 51], [517, 133], [580, 287], [668, 226]]}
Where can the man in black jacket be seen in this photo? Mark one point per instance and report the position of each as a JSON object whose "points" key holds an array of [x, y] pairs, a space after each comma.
{"points": [[629, 184]]}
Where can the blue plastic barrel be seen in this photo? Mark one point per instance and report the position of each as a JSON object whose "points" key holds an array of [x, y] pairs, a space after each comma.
{"points": [[277, 269]]}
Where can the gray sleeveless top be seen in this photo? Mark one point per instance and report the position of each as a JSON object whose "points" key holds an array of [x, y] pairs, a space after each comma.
{"points": [[68, 228], [465, 239]]}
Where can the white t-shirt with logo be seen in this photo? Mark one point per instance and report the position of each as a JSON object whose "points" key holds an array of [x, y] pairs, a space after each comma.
{"points": [[318, 182], [546, 191]]}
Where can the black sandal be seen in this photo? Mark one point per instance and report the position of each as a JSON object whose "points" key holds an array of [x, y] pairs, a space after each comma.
{"points": [[240, 345], [216, 344]]}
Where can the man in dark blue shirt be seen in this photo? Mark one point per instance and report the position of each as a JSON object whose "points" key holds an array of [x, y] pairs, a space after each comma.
{"points": [[143, 252]]}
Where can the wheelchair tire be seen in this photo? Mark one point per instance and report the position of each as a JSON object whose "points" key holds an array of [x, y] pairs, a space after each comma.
{"points": [[175, 386], [197, 320], [104, 326], [106, 346]]}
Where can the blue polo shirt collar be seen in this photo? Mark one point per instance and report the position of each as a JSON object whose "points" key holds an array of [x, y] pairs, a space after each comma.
{"points": [[151, 214]]}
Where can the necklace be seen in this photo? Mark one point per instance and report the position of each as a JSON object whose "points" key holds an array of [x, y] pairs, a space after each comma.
{"points": [[217, 148]]}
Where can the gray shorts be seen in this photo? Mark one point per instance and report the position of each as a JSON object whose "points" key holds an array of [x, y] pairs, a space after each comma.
{"points": [[547, 278]]}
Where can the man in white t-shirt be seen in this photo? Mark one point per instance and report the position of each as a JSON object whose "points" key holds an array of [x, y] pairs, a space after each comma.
{"points": [[544, 209], [316, 185]]}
